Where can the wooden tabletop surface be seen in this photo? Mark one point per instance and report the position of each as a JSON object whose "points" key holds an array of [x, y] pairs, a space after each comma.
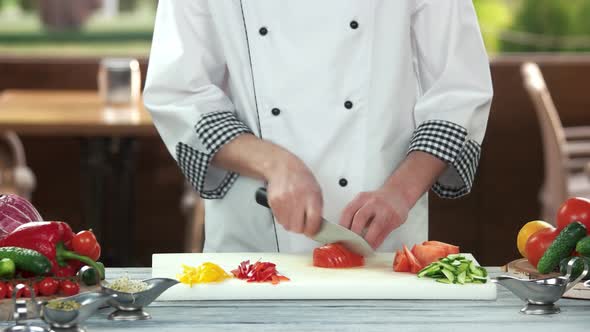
{"points": [[70, 113], [323, 315]]}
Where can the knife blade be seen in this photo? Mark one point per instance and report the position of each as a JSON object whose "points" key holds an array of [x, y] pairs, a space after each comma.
{"points": [[330, 232]]}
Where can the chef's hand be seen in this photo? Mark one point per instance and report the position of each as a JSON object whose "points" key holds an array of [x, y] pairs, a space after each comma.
{"points": [[295, 197], [376, 212]]}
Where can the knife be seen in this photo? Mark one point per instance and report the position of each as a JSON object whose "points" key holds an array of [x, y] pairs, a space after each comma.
{"points": [[330, 232]]}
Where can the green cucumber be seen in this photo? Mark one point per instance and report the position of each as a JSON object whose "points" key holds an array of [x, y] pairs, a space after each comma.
{"points": [[577, 269], [583, 246], [27, 260], [89, 276], [562, 247]]}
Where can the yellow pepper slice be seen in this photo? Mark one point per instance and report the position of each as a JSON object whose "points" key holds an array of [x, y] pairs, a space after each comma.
{"points": [[204, 273]]}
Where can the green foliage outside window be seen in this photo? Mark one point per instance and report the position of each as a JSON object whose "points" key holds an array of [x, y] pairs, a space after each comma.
{"points": [[549, 26]]}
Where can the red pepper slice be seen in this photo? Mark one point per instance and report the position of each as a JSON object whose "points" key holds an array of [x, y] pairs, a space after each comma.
{"points": [[258, 272]]}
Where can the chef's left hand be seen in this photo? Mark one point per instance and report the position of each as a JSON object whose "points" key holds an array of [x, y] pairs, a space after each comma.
{"points": [[379, 212]]}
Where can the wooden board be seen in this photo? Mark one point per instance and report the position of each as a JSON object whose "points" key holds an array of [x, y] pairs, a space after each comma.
{"points": [[523, 269], [7, 305], [376, 280]]}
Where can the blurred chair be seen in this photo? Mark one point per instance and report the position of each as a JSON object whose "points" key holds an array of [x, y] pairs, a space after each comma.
{"points": [[194, 211], [15, 176], [566, 150]]}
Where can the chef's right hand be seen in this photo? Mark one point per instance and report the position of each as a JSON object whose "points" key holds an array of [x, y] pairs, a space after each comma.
{"points": [[295, 197]]}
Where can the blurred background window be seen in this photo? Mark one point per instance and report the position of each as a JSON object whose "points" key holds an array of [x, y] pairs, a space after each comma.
{"points": [[65, 28], [124, 27]]}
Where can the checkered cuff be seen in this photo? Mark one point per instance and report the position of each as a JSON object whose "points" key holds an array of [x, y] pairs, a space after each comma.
{"points": [[214, 130], [448, 142]]}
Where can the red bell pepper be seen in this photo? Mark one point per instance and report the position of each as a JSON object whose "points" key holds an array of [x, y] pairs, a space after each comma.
{"points": [[53, 240]]}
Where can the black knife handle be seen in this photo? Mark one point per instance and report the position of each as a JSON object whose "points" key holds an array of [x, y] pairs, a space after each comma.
{"points": [[261, 197]]}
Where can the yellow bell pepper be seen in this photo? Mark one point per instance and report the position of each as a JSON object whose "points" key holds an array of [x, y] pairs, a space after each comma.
{"points": [[204, 273]]}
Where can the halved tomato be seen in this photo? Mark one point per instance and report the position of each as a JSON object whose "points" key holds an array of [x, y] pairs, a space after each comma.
{"points": [[451, 249], [401, 263], [415, 266], [335, 255], [427, 254]]}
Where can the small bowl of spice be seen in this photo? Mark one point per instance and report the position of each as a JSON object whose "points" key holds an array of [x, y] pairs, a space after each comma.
{"points": [[133, 295], [71, 311]]}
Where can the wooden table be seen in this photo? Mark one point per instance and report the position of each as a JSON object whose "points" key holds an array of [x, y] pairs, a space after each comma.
{"points": [[499, 315], [108, 150]]}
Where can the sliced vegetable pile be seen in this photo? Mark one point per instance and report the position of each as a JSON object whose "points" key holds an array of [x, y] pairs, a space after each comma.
{"points": [[259, 272], [455, 269], [335, 255], [422, 255], [549, 248], [204, 273]]}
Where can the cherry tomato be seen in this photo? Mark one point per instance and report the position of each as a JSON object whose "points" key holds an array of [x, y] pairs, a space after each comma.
{"points": [[10, 289], [27, 292], [3, 290], [48, 286], [84, 243], [574, 209], [538, 243], [69, 288]]}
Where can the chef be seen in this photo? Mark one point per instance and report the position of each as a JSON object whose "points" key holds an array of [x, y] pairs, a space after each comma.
{"points": [[347, 109]]}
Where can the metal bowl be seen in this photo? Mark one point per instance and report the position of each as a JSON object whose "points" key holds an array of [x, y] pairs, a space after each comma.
{"points": [[70, 319], [130, 305]]}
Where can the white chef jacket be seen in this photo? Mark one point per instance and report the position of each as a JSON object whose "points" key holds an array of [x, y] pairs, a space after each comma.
{"points": [[348, 86]]}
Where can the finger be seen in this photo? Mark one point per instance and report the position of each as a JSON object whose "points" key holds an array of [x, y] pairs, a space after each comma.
{"points": [[361, 218], [376, 232], [313, 218], [297, 220], [351, 209]]}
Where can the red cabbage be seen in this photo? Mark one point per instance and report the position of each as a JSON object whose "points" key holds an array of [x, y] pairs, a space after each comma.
{"points": [[15, 211]]}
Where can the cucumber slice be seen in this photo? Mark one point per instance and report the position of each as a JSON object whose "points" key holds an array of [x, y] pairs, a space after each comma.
{"points": [[461, 278], [450, 275], [447, 266], [444, 281]]}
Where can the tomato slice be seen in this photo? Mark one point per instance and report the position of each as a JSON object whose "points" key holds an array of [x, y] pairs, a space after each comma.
{"points": [[401, 263], [451, 249], [428, 254], [415, 266], [335, 255]]}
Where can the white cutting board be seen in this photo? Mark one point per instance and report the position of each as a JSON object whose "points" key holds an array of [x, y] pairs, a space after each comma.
{"points": [[376, 280]]}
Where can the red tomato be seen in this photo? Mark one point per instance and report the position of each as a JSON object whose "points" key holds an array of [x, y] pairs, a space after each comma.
{"points": [[538, 243], [48, 286], [27, 291], [95, 254], [451, 249], [574, 209], [84, 243], [401, 263], [3, 290], [10, 289], [428, 254], [415, 266], [69, 288], [335, 255]]}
